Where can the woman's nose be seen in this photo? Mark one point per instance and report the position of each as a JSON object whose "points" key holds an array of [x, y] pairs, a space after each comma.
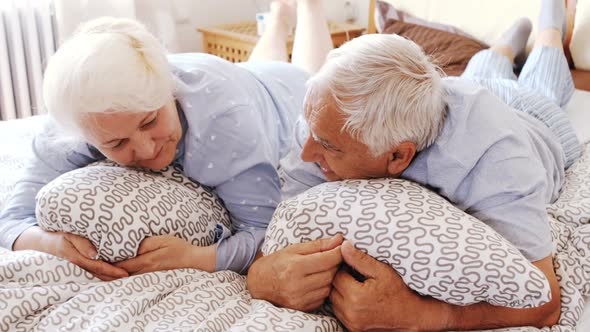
{"points": [[145, 149]]}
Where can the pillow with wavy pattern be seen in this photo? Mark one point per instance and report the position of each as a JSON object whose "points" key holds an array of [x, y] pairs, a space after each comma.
{"points": [[117, 207], [437, 249]]}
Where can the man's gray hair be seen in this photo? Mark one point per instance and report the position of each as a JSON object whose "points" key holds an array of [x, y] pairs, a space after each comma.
{"points": [[388, 89]]}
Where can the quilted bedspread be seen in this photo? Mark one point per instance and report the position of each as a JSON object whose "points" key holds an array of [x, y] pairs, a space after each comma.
{"points": [[43, 293]]}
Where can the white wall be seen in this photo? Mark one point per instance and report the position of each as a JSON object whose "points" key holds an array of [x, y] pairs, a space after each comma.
{"points": [[204, 13], [175, 21]]}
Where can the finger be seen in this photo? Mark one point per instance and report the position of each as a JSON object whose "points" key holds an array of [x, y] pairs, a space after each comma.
{"points": [[134, 265], [318, 280], [84, 246], [97, 267], [320, 294], [144, 270], [105, 278], [321, 261], [345, 283], [312, 300], [314, 306], [149, 244], [340, 307], [317, 245], [340, 313], [337, 301], [358, 260], [72, 254]]}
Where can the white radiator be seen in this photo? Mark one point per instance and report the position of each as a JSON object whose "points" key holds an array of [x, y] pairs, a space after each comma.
{"points": [[27, 40]]}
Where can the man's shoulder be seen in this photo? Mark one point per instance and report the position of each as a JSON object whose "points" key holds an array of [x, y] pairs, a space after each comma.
{"points": [[480, 132], [477, 120]]}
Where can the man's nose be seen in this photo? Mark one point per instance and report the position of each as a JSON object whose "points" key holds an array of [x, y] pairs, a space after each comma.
{"points": [[310, 152]]}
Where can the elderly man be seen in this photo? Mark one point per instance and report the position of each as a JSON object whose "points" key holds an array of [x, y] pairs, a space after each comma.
{"points": [[497, 150]]}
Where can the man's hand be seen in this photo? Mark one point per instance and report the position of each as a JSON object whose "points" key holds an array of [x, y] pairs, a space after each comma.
{"points": [[383, 301], [297, 277], [73, 248], [167, 252]]}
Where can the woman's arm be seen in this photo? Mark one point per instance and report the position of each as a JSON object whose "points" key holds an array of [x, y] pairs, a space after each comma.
{"points": [[250, 198], [52, 155]]}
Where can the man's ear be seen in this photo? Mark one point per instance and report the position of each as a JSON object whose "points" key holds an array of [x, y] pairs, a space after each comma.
{"points": [[400, 158]]}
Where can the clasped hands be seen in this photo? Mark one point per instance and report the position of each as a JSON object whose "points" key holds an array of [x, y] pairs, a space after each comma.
{"points": [[302, 276], [156, 253]]}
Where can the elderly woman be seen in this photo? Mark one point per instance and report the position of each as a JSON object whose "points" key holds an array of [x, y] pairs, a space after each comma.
{"points": [[116, 94], [493, 144]]}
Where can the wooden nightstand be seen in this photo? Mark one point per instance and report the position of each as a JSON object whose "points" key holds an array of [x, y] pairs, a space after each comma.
{"points": [[234, 42]]}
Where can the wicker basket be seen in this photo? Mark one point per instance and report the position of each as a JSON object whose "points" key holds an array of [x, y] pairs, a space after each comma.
{"points": [[234, 42]]}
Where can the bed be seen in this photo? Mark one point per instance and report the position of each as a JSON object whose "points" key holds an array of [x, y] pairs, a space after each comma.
{"points": [[579, 113], [41, 292], [38, 291]]}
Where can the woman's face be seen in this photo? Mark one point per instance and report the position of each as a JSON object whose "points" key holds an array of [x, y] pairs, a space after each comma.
{"points": [[142, 139]]}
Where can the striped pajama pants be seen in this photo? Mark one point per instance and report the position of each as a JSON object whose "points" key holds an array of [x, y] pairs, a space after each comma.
{"points": [[543, 88]]}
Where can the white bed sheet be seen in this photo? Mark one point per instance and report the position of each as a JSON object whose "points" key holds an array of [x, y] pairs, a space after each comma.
{"points": [[579, 112], [584, 324]]}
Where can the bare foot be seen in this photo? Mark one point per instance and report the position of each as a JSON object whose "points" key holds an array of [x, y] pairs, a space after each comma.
{"points": [[283, 13]]}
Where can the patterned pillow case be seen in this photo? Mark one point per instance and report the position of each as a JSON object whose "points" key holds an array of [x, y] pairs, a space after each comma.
{"points": [[438, 250], [116, 208]]}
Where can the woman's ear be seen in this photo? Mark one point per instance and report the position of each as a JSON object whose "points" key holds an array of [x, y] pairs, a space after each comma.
{"points": [[400, 158]]}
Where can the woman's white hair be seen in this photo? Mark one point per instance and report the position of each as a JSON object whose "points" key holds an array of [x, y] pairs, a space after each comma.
{"points": [[388, 89], [109, 65]]}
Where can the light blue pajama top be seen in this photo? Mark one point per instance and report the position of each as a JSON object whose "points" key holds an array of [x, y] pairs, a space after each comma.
{"points": [[238, 122]]}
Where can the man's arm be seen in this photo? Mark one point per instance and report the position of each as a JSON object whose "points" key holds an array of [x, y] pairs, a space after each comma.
{"points": [[297, 277], [483, 315], [384, 302]]}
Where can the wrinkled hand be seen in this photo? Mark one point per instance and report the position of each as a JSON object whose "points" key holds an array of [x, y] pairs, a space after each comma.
{"points": [[297, 277], [382, 301], [73, 248], [167, 252]]}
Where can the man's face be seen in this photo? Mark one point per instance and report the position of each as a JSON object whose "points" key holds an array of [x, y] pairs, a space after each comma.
{"points": [[142, 139], [339, 155]]}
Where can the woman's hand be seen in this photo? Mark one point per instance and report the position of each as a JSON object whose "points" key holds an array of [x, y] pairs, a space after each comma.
{"points": [[167, 252], [73, 248], [297, 277]]}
